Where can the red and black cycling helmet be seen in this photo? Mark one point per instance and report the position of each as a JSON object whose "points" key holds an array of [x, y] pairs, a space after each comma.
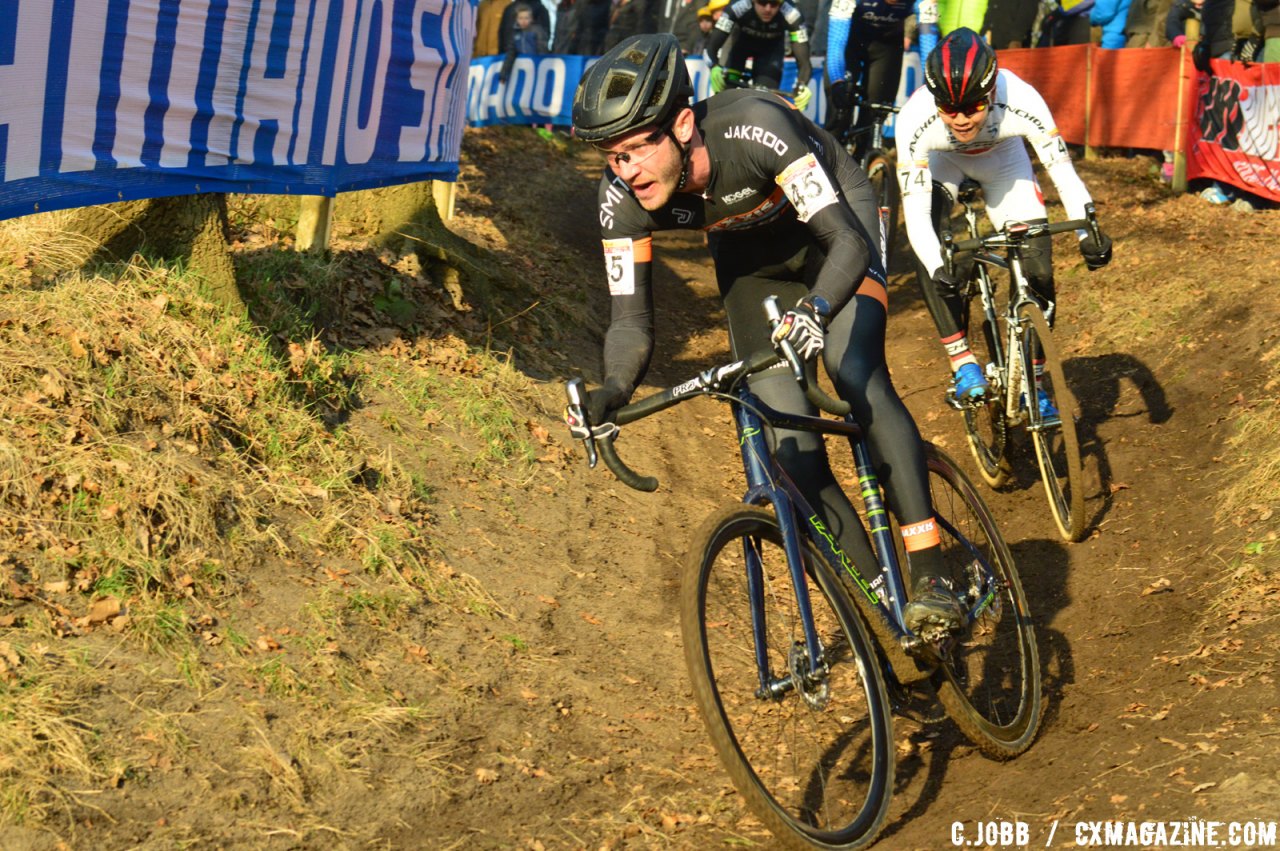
{"points": [[961, 70], [641, 82]]}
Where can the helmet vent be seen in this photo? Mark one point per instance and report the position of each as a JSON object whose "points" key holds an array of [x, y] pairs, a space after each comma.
{"points": [[619, 85]]}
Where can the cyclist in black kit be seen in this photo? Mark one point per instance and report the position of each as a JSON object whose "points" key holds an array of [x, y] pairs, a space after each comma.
{"points": [[760, 29], [787, 213]]}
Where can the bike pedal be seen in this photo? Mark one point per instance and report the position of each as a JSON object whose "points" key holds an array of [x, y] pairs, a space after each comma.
{"points": [[929, 634]]}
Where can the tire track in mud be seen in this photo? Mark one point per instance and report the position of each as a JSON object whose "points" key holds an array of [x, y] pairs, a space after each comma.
{"points": [[599, 704]]}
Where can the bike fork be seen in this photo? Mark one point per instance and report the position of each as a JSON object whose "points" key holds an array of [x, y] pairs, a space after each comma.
{"points": [[772, 687]]}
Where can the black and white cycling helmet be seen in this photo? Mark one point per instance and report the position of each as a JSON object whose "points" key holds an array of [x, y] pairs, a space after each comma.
{"points": [[961, 70], [641, 82]]}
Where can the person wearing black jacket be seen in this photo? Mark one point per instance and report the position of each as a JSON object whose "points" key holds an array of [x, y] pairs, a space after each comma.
{"points": [[787, 213], [1217, 39]]}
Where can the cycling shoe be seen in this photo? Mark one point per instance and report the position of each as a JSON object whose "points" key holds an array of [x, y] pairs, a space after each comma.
{"points": [[970, 382], [934, 612]]}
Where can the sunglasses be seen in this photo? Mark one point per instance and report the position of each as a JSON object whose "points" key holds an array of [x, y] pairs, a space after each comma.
{"points": [[638, 153], [972, 109]]}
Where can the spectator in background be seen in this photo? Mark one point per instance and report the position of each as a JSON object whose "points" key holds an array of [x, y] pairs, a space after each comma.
{"points": [[526, 39], [1145, 24], [591, 24], [1269, 19], [541, 19], [625, 19], [706, 21], [1071, 23], [1111, 15], [1216, 37], [489, 27], [685, 24], [1247, 30], [1217, 41], [565, 40], [1008, 22]]}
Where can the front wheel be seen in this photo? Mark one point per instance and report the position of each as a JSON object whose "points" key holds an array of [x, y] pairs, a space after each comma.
{"points": [[884, 187], [812, 753], [985, 423], [1056, 442], [989, 680]]}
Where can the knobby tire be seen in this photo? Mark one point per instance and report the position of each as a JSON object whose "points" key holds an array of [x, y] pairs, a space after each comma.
{"points": [[985, 424], [989, 682], [884, 186], [1057, 448], [815, 763]]}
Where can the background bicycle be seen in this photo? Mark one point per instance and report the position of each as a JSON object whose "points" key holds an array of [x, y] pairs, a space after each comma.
{"points": [[868, 146], [1022, 363], [796, 649]]}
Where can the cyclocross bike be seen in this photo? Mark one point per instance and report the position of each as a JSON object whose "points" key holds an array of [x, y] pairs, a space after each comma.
{"points": [[1010, 340], [796, 649], [878, 162]]}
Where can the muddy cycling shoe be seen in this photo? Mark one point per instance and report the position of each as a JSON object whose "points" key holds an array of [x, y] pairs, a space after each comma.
{"points": [[1048, 411], [934, 612], [971, 384]]}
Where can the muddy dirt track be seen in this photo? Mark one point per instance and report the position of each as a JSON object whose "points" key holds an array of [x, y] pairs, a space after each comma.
{"points": [[1160, 696]]}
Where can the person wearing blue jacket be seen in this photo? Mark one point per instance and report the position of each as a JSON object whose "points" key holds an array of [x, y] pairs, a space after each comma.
{"points": [[1111, 15]]}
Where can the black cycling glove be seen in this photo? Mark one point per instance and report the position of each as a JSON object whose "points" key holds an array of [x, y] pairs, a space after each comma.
{"points": [[840, 106], [1096, 253], [603, 401], [947, 284]]}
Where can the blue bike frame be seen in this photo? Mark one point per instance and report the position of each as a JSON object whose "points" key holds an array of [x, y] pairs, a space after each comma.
{"points": [[771, 485]]}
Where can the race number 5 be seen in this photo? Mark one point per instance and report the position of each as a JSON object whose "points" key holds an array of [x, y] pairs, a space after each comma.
{"points": [[620, 266]]}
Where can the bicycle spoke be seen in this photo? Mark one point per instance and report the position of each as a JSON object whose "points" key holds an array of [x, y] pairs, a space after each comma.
{"points": [[990, 681], [1056, 443], [985, 425], [810, 752]]}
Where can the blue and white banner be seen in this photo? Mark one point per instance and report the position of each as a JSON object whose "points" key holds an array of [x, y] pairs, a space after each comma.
{"points": [[112, 100], [540, 88]]}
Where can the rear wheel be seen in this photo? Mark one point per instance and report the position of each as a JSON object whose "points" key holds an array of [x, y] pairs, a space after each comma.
{"points": [[1057, 445], [884, 186], [985, 424], [811, 753], [989, 681]]}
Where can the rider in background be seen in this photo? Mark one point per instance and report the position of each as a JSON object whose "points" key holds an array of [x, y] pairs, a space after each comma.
{"points": [[969, 121], [865, 43], [786, 213], [760, 29]]}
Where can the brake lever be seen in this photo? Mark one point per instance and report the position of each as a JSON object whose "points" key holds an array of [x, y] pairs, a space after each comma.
{"points": [[774, 315], [1091, 214], [575, 415]]}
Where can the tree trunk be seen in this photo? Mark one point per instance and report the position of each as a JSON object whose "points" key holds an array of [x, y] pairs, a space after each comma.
{"points": [[406, 220], [190, 228]]}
